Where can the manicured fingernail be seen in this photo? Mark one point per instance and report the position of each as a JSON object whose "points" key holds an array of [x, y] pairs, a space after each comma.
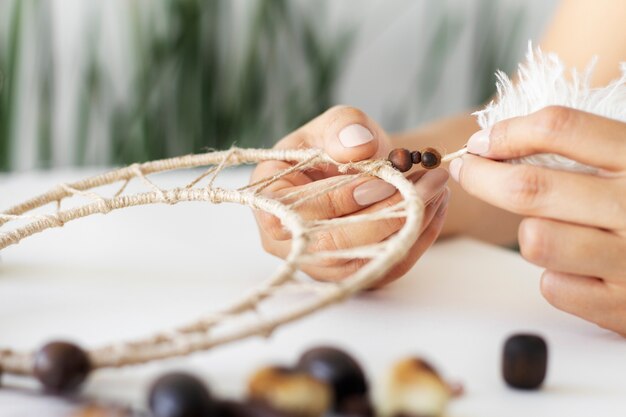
{"points": [[372, 192], [478, 143], [455, 168], [444, 203], [355, 135], [431, 184]]}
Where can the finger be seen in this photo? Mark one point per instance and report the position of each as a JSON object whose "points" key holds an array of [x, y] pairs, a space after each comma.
{"points": [[585, 297], [367, 233], [435, 214], [581, 136], [350, 199], [535, 191], [268, 223], [345, 133], [573, 249], [428, 236]]}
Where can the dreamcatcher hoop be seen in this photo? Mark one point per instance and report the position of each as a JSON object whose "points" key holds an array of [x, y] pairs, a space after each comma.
{"points": [[244, 317]]}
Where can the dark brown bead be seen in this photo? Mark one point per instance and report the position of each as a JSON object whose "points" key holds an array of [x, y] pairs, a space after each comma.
{"points": [[337, 368], [179, 394], [354, 406], [431, 158], [61, 367], [400, 158], [524, 361], [416, 157]]}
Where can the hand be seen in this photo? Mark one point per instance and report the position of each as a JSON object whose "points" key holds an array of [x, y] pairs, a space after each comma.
{"points": [[576, 223], [347, 134]]}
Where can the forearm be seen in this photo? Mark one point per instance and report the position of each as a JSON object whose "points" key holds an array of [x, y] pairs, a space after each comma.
{"points": [[466, 214]]}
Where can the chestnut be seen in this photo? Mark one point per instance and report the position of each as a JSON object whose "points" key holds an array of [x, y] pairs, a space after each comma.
{"points": [[414, 388], [524, 361], [61, 367], [179, 394], [290, 391], [336, 367]]}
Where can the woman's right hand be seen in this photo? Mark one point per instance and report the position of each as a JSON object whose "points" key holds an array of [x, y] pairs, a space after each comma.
{"points": [[347, 134]]}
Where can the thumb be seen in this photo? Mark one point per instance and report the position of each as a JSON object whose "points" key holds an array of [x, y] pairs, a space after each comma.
{"points": [[344, 133]]}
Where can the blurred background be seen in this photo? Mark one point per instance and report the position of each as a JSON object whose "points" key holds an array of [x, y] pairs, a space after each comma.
{"points": [[104, 82]]}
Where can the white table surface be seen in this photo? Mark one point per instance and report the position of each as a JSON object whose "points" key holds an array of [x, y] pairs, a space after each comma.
{"points": [[128, 273]]}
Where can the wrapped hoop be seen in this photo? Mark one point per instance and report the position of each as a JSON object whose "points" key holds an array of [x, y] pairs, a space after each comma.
{"points": [[244, 317]]}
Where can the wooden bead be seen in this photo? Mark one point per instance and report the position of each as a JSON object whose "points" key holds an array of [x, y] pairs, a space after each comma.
{"points": [[410, 379], [416, 157], [431, 158], [290, 391], [400, 158], [61, 367], [524, 361], [337, 368], [179, 394], [354, 406]]}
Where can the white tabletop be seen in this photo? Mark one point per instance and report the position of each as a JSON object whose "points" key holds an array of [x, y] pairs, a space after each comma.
{"points": [[132, 272]]}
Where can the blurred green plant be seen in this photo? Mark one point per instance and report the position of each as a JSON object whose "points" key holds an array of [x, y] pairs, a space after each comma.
{"points": [[9, 61], [190, 91], [205, 75]]}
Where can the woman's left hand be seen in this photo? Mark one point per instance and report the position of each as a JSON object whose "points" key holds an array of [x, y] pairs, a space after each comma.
{"points": [[575, 223]]}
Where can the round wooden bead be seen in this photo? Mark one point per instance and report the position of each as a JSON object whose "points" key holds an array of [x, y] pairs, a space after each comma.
{"points": [[179, 394], [416, 157], [61, 367], [431, 158], [337, 368], [400, 158], [524, 361]]}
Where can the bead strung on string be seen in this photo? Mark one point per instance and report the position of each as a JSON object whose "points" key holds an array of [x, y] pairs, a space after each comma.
{"points": [[61, 367], [403, 159]]}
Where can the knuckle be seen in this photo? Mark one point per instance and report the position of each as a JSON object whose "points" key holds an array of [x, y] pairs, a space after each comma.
{"points": [[332, 203], [534, 242], [527, 187], [329, 241], [347, 112], [553, 119]]}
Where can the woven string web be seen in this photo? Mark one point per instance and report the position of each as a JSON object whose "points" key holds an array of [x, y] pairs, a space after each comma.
{"points": [[256, 312]]}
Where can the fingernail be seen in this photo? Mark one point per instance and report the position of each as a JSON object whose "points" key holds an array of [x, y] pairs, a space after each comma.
{"points": [[455, 168], [372, 192], [355, 135], [443, 206], [431, 184], [478, 143]]}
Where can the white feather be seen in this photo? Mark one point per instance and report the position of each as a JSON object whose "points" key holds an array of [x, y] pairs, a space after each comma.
{"points": [[543, 81]]}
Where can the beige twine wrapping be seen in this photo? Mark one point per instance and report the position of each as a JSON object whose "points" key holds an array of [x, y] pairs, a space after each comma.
{"points": [[230, 323]]}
